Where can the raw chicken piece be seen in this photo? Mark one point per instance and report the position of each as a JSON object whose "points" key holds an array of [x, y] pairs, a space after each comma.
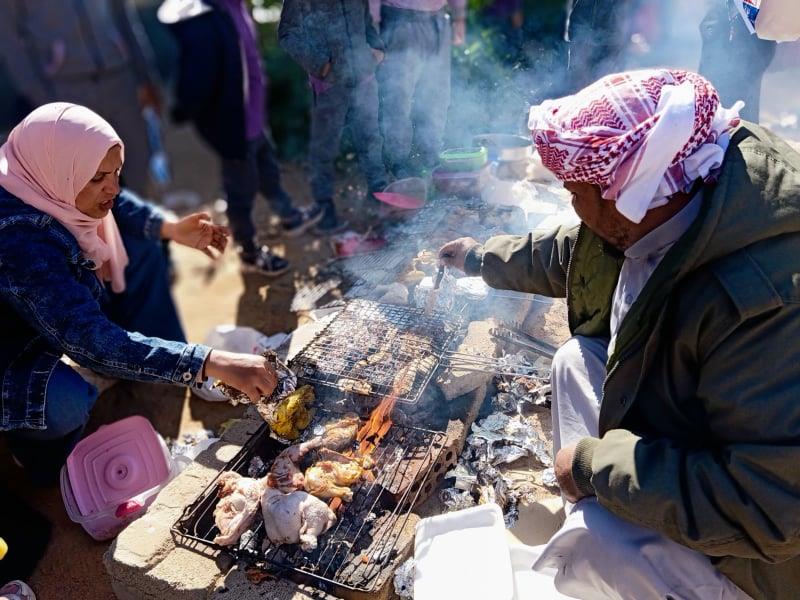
{"points": [[295, 518], [285, 474], [237, 506], [340, 434], [333, 476]]}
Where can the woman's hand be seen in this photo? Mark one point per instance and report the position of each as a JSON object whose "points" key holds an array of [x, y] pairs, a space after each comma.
{"points": [[453, 254], [251, 374], [197, 231]]}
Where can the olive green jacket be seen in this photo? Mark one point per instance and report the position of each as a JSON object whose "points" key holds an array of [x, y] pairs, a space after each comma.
{"points": [[700, 416]]}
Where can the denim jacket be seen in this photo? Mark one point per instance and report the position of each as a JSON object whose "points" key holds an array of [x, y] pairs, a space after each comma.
{"points": [[51, 302]]}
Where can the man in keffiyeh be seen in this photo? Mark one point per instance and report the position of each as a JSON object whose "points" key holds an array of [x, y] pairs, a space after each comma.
{"points": [[676, 419]]}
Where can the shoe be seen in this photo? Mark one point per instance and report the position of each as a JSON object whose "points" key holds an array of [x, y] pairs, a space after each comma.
{"points": [[303, 219], [330, 223], [16, 590], [265, 262]]}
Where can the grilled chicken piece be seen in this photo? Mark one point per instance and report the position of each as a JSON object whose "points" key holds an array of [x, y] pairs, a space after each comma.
{"points": [[354, 385], [237, 506], [295, 518], [333, 476], [340, 434], [285, 474]]}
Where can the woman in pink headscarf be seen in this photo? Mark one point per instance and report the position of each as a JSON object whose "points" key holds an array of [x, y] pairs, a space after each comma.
{"points": [[83, 273]]}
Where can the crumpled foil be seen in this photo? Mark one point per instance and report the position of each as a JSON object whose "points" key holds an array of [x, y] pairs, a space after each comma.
{"points": [[404, 580], [506, 430], [549, 478], [287, 383], [466, 478], [455, 499], [256, 469]]}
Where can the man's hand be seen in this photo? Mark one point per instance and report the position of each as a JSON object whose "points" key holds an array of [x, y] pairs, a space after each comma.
{"points": [[459, 32], [563, 469], [453, 254], [148, 95], [379, 55], [197, 231], [249, 373], [325, 70]]}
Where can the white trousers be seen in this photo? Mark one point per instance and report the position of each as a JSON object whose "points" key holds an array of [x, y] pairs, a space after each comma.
{"points": [[596, 554]]}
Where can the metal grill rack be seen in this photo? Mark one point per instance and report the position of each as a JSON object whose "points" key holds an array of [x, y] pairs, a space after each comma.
{"points": [[372, 343], [354, 553]]}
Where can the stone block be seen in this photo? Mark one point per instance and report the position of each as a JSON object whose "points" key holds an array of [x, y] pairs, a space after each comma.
{"points": [[455, 382]]}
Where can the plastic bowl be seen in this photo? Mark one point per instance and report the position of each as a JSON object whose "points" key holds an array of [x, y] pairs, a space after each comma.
{"points": [[461, 160]]}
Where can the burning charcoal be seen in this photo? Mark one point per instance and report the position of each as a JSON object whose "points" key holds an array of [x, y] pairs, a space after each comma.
{"points": [[256, 468], [454, 499], [404, 580], [549, 478]]}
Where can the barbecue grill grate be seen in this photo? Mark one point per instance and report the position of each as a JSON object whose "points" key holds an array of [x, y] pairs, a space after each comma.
{"points": [[373, 343], [370, 526]]}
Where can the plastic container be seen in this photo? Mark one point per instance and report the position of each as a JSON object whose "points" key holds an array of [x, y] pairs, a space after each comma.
{"points": [[113, 475], [467, 184], [463, 159]]}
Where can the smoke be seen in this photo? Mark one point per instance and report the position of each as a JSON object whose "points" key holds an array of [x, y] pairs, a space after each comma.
{"points": [[501, 72]]}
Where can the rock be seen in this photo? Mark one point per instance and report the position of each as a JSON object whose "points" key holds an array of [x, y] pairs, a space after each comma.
{"points": [[548, 322], [454, 382]]}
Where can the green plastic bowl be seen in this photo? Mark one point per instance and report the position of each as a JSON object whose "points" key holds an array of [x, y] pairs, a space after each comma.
{"points": [[463, 160]]}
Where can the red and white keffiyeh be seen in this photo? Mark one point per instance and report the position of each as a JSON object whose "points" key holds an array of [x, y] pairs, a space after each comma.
{"points": [[641, 136]]}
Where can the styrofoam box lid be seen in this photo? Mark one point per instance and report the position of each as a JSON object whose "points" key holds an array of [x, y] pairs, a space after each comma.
{"points": [[116, 463]]}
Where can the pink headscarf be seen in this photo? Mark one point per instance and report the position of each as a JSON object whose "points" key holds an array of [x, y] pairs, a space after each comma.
{"points": [[48, 159], [641, 136]]}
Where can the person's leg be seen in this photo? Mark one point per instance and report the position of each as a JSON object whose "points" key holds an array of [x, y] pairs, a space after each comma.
{"points": [[68, 401], [269, 177], [732, 59], [432, 98], [363, 122], [146, 306], [578, 373], [240, 182], [397, 78], [328, 116]]}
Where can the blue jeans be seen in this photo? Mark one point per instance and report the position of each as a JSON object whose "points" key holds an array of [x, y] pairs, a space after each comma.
{"points": [[145, 306], [243, 179]]}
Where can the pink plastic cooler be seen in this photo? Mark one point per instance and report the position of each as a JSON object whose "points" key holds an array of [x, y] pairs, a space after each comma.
{"points": [[113, 475]]}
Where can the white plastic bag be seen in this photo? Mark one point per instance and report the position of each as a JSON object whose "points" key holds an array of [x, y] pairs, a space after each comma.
{"points": [[236, 339]]}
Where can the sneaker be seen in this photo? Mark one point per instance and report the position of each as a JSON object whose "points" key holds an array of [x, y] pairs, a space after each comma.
{"points": [[302, 220], [265, 262], [16, 590], [330, 223]]}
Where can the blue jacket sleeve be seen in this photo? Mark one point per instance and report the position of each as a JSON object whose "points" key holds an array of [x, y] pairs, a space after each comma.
{"points": [[136, 217], [45, 293]]}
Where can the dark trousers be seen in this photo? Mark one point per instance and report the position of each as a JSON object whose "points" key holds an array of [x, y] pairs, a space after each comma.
{"points": [[243, 179], [733, 59], [415, 86], [596, 34], [146, 306], [334, 109]]}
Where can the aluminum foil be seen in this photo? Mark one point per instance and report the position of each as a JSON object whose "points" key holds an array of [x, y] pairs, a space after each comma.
{"points": [[549, 478], [404, 580], [287, 383], [455, 499]]}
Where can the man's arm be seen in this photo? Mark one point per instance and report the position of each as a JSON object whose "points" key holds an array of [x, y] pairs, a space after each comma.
{"points": [[736, 492], [294, 39], [530, 263], [19, 56]]}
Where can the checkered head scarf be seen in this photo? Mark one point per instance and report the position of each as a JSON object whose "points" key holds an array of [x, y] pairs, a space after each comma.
{"points": [[641, 136]]}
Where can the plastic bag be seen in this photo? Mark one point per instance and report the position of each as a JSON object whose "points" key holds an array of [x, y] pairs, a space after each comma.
{"points": [[236, 339]]}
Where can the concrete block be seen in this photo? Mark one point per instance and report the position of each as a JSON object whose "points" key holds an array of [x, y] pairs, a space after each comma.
{"points": [[455, 382], [183, 574], [235, 586]]}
